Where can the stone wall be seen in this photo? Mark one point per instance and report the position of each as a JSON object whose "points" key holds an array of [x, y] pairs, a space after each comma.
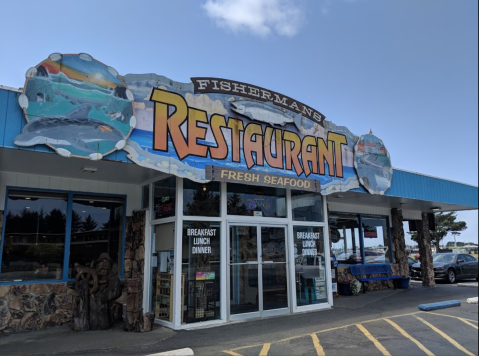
{"points": [[35, 306], [343, 274]]}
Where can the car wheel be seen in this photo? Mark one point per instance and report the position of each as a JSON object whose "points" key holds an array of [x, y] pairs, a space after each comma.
{"points": [[451, 276]]}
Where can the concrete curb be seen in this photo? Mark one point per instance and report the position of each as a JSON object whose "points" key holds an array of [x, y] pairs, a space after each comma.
{"points": [[474, 285], [180, 352], [472, 300], [440, 305]]}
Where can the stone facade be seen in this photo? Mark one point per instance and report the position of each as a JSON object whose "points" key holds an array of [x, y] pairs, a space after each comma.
{"points": [[35, 306], [399, 243], [136, 320]]}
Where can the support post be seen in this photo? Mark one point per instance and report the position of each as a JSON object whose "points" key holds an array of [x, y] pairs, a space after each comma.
{"points": [[399, 242], [425, 252]]}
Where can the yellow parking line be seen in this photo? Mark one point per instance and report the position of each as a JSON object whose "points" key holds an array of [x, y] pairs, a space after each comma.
{"points": [[265, 349], [467, 321], [231, 351], [406, 335], [317, 345], [374, 340], [452, 341]]}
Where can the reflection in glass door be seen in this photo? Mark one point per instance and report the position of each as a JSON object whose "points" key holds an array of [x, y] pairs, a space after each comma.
{"points": [[258, 281]]}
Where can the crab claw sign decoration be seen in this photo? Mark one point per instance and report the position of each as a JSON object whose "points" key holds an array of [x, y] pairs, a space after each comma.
{"points": [[208, 129]]}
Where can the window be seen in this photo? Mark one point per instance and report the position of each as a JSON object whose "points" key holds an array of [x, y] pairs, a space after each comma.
{"points": [[145, 196], [307, 206], [345, 238], [201, 199], [201, 266], [164, 198], [376, 240], [36, 234], [360, 239], [35, 229], [310, 268], [256, 201], [97, 227]]}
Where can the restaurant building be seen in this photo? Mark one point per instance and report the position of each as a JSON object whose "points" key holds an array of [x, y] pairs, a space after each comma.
{"points": [[216, 200]]}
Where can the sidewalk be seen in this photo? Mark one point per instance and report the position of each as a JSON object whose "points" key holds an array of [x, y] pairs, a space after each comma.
{"points": [[62, 340]]}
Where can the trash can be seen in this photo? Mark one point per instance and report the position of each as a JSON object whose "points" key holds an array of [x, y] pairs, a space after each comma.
{"points": [[403, 283], [344, 289]]}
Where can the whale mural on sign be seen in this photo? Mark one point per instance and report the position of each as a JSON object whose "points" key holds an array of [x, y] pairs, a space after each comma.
{"points": [[207, 129], [77, 106], [73, 129]]}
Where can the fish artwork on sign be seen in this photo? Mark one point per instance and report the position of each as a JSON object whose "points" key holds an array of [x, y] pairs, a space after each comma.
{"points": [[266, 112], [73, 129]]}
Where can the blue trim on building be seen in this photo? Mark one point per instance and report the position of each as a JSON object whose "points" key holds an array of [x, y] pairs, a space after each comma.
{"points": [[421, 187], [404, 184]]}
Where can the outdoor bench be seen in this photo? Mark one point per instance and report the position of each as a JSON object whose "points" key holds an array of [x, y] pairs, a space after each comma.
{"points": [[384, 270]]}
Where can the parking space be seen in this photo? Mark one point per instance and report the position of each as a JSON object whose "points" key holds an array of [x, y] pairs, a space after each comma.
{"points": [[419, 333]]}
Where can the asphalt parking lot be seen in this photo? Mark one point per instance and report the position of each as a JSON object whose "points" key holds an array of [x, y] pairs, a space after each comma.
{"points": [[429, 333]]}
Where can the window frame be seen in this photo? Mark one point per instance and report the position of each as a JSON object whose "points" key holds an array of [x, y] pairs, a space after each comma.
{"points": [[66, 257]]}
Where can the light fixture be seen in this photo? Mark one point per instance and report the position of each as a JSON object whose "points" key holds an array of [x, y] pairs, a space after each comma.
{"points": [[436, 208], [27, 207], [204, 188], [89, 169], [28, 198]]}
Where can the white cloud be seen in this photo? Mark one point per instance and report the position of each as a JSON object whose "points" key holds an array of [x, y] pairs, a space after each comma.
{"points": [[261, 17]]}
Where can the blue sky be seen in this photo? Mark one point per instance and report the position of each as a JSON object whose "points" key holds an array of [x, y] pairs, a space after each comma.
{"points": [[408, 70]]}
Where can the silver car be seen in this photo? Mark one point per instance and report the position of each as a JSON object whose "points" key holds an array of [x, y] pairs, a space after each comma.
{"points": [[450, 267]]}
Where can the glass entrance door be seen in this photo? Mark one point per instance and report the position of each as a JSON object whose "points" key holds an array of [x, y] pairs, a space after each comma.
{"points": [[258, 271]]}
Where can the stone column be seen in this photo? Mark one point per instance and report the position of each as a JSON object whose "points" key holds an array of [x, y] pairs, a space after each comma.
{"points": [[425, 252], [136, 320], [399, 242]]}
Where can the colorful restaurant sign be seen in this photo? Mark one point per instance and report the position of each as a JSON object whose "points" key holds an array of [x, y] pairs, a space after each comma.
{"points": [[209, 129]]}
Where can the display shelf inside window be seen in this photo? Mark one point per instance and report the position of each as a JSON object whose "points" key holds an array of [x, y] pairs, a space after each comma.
{"points": [[201, 301], [165, 296]]}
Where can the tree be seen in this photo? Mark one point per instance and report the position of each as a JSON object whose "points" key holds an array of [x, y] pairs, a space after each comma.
{"points": [[445, 223], [89, 224], [455, 233]]}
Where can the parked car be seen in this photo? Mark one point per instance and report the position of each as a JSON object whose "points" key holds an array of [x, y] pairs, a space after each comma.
{"points": [[450, 266], [410, 262]]}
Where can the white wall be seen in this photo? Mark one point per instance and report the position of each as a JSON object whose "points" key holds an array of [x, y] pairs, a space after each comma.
{"points": [[12, 179]]}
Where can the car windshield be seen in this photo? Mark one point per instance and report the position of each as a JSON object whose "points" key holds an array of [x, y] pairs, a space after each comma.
{"points": [[443, 258]]}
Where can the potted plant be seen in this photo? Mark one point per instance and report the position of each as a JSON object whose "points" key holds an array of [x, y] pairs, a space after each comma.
{"points": [[355, 286]]}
